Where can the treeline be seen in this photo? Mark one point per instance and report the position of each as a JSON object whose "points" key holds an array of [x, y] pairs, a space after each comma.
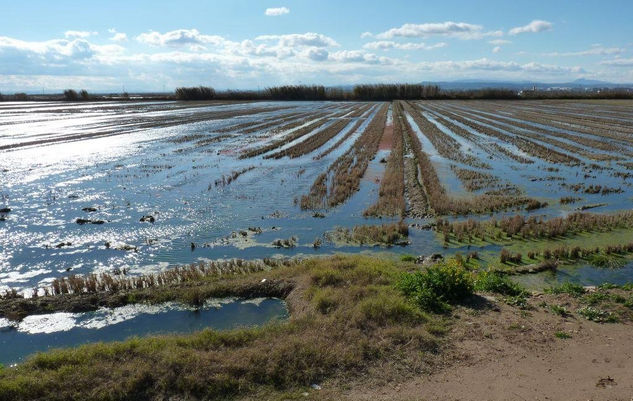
{"points": [[388, 92], [375, 92], [195, 93], [315, 93]]}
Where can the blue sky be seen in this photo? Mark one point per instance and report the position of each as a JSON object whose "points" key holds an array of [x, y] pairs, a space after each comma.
{"points": [[151, 45]]}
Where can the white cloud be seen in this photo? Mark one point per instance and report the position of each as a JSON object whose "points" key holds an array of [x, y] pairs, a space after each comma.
{"points": [[276, 11], [179, 37], [388, 44], [595, 50], [496, 49], [187, 57], [365, 35], [459, 30], [533, 27], [117, 36], [484, 64], [359, 56], [619, 62], [499, 42], [317, 54], [79, 34], [300, 39]]}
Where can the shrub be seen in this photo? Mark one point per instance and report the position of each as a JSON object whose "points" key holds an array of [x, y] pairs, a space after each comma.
{"points": [[71, 95], [407, 258], [562, 335], [438, 287], [495, 282]]}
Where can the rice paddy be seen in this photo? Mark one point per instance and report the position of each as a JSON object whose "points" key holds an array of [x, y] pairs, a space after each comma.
{"points": [[206, 171]]}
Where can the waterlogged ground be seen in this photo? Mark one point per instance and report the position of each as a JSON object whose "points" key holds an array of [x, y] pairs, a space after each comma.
{"points": [[179, 165], [40, 332]]}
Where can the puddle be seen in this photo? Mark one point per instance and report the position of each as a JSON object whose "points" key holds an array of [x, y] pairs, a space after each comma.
{"points": [[59, 330]]}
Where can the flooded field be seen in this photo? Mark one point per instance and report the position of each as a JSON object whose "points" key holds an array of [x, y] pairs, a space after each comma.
{"points": [[126, 187]]}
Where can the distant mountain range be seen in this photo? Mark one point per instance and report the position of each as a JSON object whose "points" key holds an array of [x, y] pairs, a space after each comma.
{"points": [[581, 83]]}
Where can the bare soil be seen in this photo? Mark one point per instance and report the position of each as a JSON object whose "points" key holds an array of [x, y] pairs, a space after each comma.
{"points": [[504, 353]]}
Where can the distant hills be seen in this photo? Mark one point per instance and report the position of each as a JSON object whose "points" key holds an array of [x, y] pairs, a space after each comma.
{"points": [[581, 83]]}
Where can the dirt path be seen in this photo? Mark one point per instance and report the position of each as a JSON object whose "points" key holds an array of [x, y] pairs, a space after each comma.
{"points": [[505, 354]]}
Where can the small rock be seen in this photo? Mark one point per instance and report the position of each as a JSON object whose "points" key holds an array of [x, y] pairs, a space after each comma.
{"points": [[88, 221], [148, 218], [62, 244], [315, 387], [5, 210], [606, 382], [89, 209]]}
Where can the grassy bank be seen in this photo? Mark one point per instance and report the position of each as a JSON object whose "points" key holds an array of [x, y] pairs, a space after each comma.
{"points": [[346, 313], [351, 317]]}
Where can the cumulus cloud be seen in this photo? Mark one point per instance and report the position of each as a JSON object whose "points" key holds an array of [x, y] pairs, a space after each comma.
{"points": [[300, 39], [276, 11], [79, 34], [317, 54], [117, 36], [533, 27], [461, 30], [496, 49], [57, 49], [188, 57], [365, 35], [388, 44], [179, 37], [499, 42]]}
